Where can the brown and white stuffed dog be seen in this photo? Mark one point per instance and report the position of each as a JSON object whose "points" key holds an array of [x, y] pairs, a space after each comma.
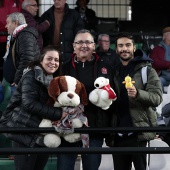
{"points": [[70, 94]]}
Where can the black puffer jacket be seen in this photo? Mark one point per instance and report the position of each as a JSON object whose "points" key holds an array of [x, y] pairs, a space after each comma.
{"points": [[26, 50], [71, 23], [28, 106]]}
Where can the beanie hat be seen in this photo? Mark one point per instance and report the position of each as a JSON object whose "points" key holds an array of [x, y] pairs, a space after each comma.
{"points": [[167, 29]]}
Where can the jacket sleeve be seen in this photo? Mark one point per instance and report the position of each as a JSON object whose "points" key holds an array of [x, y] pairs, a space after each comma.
{"points": [[40, 27], [152, 94], [158, 57], [79, 24], [27, 51], [32, 100]]}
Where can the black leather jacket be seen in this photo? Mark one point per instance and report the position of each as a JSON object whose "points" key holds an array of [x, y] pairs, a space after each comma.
{"points": [[28, 106]]}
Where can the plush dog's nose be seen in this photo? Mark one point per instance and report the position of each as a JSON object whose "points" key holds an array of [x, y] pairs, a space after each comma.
{"points": [[70, 95]]}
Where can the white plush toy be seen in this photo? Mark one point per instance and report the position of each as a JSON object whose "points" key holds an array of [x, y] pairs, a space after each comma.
{"points": [[103, 95], [70, 94]]}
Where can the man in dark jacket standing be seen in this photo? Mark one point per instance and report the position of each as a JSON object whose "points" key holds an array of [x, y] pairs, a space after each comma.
{"points": [[22, 48], [88, 15], [86, 66], [29, 9], [135, 105], [64, 24]]}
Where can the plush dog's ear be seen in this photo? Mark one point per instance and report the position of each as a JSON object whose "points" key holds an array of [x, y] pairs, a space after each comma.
{"points": [[51, 102], [83, 95], [54, 88]]}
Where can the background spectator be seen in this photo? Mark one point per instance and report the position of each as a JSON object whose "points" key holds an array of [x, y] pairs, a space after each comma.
{"points": [[22, 47], [64, 24], [88, 15], [6, 7], [105, 52], [161, 58], [29, 9]]}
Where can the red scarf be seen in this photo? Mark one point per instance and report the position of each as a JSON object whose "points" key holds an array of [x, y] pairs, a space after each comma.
{"points": [[112, 94]]}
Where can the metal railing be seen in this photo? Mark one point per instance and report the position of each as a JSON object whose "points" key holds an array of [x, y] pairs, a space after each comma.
{"points": [[104, 150]]}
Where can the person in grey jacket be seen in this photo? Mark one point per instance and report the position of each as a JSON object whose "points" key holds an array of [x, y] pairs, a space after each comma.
{"points": [[28, 106], [135, 105], [64, 24]]}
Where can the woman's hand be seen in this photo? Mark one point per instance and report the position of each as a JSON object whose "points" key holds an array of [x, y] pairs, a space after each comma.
{"points": [[64, 114]]}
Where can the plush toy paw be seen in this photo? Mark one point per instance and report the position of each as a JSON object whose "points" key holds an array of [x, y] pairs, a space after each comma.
{"points": [[52, 140], [74, 137], [104, 95], [45, 123], [93, 96]]}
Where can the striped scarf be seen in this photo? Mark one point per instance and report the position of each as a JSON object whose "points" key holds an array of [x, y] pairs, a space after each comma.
{"points": [[16, 31]]}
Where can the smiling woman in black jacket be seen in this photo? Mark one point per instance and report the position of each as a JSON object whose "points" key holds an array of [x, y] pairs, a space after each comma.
{"points": [[28, 106]]}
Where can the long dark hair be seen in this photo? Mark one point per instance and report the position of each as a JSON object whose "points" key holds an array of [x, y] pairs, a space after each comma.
{"points": [[44, 52]]}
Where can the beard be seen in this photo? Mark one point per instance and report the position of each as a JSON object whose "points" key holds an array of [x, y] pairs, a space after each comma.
{"points": [[126, 59]]}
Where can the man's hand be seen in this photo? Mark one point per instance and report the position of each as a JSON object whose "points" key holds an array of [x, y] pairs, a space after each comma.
{"points": [[132, 92]]}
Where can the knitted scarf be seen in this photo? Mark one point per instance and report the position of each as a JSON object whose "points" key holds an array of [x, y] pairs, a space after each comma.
{"points": [[65, 126]]}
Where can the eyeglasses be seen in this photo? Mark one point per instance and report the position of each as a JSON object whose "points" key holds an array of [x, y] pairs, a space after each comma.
{"points": [[84, 42], [104, 41]]}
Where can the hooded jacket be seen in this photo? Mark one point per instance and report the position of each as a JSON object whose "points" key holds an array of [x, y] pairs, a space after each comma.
{"points": [[142, 108]]}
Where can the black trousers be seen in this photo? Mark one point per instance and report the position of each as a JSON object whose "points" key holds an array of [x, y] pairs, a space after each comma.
{"points": [[124, 161], [29, 161]]}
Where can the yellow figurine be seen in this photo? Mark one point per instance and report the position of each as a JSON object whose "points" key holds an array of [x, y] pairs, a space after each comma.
{"points": [[128, 82]]}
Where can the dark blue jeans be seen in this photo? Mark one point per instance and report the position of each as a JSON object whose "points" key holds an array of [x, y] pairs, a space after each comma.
{"points": [[89, 161]]}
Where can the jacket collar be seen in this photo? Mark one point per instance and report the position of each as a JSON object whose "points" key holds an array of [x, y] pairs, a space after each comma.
{"points": [[96, 57]]}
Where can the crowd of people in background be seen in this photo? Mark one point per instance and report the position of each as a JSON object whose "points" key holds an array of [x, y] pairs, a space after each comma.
{"points": [[59, 43]]}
